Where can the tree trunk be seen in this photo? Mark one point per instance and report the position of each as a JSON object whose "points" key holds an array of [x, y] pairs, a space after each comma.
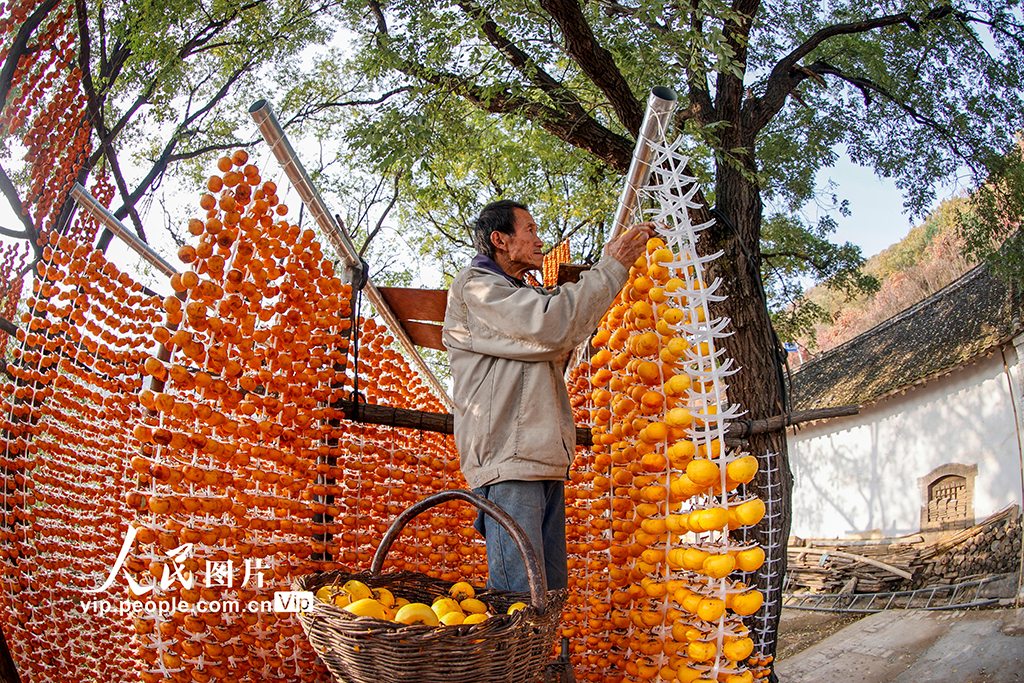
{"points": [[757, 388], [8, 669]]}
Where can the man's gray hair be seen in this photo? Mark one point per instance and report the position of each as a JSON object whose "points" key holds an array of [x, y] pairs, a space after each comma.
{"points": [[497, 216]]}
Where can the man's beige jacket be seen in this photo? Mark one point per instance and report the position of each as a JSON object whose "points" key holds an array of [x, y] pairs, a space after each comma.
{"points": [[508, 343]]}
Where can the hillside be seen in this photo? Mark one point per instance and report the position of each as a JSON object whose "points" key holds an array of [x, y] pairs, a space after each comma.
{"points": [[926, 260]]}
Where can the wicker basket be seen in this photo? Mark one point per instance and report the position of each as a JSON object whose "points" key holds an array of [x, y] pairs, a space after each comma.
{"points": [[513, 648]]}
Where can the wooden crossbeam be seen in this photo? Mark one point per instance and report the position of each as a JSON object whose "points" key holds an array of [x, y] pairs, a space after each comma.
{"points": [[444, 423]]}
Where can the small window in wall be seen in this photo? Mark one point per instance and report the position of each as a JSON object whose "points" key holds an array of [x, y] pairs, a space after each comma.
{"points": [[949, 497], [947, 500]]}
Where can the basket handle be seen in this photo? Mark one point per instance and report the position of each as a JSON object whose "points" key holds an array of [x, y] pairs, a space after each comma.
{"points": [[537, 596]]}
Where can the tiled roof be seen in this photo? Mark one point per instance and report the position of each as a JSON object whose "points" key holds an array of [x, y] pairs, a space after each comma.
{"points": [[963, 320]]}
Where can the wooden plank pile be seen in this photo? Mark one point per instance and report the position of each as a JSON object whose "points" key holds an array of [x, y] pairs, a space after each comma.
{"points": [[893, 564], [853, 567]]}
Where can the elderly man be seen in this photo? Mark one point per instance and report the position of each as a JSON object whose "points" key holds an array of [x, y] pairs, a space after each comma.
{"points": [[508, 343]]}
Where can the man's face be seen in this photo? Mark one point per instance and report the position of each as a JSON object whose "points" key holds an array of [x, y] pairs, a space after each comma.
{"points": [[523, 247]]}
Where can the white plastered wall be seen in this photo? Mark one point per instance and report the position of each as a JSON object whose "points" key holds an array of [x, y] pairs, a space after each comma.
{"points": [[858, 474]]}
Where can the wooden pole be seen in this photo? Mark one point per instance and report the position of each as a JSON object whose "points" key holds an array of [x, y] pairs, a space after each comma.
{"points": [[444, 423], [369, 413], [741, 429]]}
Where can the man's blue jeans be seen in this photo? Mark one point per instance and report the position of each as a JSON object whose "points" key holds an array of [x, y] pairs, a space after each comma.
{"points": [[539, 508]]}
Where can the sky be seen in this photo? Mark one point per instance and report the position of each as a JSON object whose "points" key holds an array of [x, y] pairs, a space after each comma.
{"points": [[877, 219]]}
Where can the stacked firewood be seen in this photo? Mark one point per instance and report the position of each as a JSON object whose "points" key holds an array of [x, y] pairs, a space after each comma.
{"points": [[992, 547], [878, 566]]}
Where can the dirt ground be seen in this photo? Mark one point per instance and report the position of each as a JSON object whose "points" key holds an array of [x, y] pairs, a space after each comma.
{"points": [[800, 629]]}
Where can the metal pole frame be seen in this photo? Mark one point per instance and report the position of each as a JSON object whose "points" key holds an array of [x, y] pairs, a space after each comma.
{"points": [[109, 221], [275, 137], [661, 106]]}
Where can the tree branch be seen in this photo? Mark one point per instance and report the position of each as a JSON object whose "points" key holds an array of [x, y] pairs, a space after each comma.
{"points": [[321, 106], [8, 327], [6, 371], [522, 62], [221, 92], [27, 267], [612, 7], [701, 104], [587, 134], [566, 235], [200, 151], [67, 207], [11, 192], [997, 27], [867, 86], [729, 89], [101, 23], [96, 113], [126, 117], [113, 64], [213, 29], [166, 154], [122, 188], [116, 60], [387, 210], [787, 62], [13, 234], [701, 107], [17, 48], [452, 238], [785, 76], [799, 255], [595, 61]]}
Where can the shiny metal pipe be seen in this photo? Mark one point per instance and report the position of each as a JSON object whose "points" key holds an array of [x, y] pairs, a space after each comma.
{"points": [[273, 133], [110, 222], [275, 137], [661, 105]]}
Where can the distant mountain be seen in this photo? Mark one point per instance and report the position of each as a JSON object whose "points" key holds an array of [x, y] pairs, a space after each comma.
{"points": [[926, 260]]}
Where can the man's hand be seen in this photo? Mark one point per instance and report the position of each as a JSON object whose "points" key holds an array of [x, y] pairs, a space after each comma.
{"points": [[628, 246]]}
